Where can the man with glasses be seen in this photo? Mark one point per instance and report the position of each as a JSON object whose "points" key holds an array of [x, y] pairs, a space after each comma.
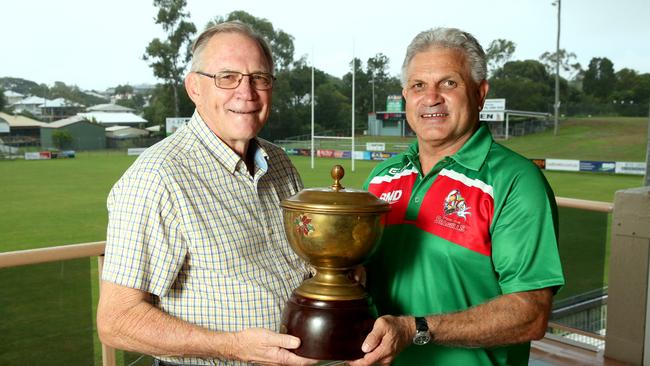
{"points": [[197, 266]]}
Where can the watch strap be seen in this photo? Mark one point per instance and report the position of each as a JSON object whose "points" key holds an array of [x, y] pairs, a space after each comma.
{"points": [[421, 324]]}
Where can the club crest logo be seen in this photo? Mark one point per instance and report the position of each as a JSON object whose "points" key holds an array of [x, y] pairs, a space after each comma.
{"points": [[303, 225], [455, 205]]}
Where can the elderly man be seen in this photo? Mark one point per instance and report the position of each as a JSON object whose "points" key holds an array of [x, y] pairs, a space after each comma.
{"points": [[468, 263], [197, 266]]}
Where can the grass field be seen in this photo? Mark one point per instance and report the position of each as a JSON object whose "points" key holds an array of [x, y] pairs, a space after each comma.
{"points": [[57, 202]]}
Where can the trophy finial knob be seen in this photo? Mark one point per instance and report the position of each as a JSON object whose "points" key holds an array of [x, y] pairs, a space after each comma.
{"points": [[337, 174]]}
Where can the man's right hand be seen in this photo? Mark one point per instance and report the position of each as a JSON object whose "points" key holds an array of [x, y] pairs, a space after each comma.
{"points": [[264, 347]]}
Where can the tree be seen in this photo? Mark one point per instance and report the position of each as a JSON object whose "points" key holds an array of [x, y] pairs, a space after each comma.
{"points": [[161, 105], [72, 93], [3, 100], [281, 42], [62, 139], [169, 57], [498, 53], [599, 79], [362, 95], [384, 84], [123, 89], [567, 63], [526, 85]]}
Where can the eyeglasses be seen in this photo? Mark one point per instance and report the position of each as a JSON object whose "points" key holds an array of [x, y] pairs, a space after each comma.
{"points": [[232, 79]]}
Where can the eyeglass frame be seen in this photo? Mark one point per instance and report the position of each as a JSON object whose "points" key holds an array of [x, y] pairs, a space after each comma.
{"points": [[214, 78]]}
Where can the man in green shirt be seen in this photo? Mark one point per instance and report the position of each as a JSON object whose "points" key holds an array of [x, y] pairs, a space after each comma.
{"points": [[468, 264]]}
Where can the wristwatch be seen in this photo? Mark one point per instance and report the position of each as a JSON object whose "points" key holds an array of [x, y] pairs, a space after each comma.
{"points": [[422, 335]]}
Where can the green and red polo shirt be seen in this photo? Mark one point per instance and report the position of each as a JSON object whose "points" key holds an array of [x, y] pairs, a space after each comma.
{"points": [[481, 223]]}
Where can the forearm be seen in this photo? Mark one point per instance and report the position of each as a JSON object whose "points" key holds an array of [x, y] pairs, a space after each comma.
{"points": [[509, 319], [142, 328]]}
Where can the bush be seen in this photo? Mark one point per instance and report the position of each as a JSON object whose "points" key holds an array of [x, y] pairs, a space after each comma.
{"points": [[62, 139]]}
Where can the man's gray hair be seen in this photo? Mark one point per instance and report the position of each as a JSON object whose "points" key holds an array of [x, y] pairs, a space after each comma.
{"points": [[448, 38], [229, 27]]}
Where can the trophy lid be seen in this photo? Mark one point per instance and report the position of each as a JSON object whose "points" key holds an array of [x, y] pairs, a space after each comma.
{"points": [[335, 199]]}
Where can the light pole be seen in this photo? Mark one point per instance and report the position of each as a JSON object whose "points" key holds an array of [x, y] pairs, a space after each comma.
{"points": [[556, 105], [373, 94]]}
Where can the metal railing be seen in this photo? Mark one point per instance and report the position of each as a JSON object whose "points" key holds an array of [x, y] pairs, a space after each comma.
{"points": [[591, 309], [96, 249]]}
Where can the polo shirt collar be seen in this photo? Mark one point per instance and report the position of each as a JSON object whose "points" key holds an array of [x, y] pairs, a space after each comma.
{"points": [[471, 155], [221, 151]]}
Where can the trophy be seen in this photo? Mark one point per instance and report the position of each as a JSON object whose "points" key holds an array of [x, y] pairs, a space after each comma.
{"points": [[335, 230]]}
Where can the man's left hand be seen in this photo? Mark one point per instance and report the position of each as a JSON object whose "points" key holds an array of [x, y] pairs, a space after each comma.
{"points": [[389, 336]]}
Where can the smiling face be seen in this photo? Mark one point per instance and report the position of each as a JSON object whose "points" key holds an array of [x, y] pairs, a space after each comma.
{"points": [[234, 115], [442, 99]]}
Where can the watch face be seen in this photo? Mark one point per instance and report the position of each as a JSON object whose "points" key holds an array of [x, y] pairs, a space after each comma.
{"points": [[421, 338]]}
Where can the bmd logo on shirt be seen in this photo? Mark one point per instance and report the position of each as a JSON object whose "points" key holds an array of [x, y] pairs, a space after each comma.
{"points": [[392, 196]]}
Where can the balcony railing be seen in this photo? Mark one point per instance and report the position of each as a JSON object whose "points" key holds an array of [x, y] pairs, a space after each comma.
{"points": [[557, 330]]}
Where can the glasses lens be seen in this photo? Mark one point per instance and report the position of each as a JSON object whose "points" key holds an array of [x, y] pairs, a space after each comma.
{"points": [[227, 80], [231, 80], [262, 81]]}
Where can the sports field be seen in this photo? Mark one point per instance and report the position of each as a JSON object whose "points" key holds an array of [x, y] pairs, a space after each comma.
{"points": [[57, 202]]}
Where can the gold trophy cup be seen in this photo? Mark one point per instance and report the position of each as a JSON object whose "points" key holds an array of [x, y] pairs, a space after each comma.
{"points": [[335, 230]]}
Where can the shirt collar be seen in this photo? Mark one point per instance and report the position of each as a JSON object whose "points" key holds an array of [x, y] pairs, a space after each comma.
{"points": [[471, 155], [221, 151]]}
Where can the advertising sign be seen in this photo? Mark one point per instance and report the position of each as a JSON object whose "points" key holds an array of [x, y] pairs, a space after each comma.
{"points": [[394, 103], [495, 104], [135, 151], [375, 146], [362, 155], [597, 166], [173, 124], [32, 156], [541, 163], [628, 167], [381, 155], [492, 116], [325, 153], [563, 164]]}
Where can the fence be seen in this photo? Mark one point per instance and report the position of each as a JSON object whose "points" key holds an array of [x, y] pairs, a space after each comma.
{"points": [[48, 299]]}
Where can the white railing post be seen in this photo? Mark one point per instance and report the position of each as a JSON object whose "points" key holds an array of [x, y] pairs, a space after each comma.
{"points": [[627, 306]]}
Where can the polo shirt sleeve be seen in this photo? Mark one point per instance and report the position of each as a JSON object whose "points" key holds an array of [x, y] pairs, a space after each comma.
{"points": [[144, 246], [524, 235]]}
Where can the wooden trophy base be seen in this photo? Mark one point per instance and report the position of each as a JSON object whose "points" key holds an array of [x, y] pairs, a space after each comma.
{"points": [[328, 330]]}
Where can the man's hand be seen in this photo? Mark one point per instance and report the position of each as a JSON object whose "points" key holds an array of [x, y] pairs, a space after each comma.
{"points": [[389, 336], [264, 347]]}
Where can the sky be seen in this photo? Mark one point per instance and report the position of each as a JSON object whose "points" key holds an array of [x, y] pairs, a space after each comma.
{"points": [[97, 44]]}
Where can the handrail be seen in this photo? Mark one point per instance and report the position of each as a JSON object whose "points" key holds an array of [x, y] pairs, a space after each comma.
{"points": [[51, 254], [75, 251], [96, 249], [588, 205], [575, 330]]}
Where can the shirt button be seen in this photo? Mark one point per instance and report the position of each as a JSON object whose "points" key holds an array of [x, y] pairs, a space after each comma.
{"points": [[270, 231], [417, 199]]}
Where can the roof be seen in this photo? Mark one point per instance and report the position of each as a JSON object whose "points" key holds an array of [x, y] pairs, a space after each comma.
{"points": [[12, 94], [59, 103], [113, 117], [21, 121], [110, 107], [66, 122], [117, 128], [122, 132], [31, 100]]}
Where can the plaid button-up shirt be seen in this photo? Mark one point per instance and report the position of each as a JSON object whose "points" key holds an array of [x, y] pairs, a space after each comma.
{"points": [[189, 224]]}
